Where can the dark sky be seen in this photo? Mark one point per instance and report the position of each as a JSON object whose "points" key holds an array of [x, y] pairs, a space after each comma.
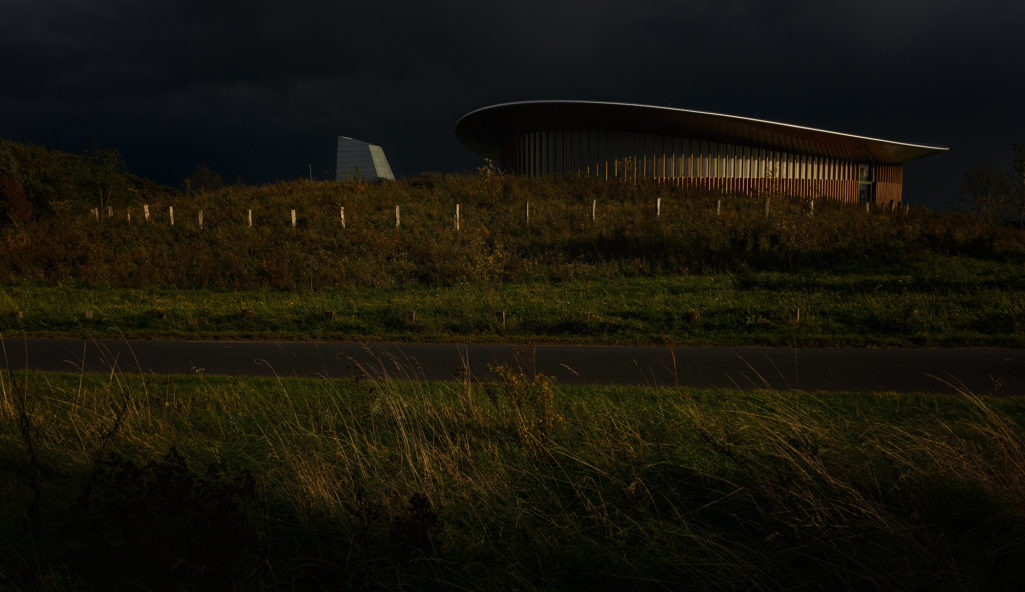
{"points": [[260, 88]]}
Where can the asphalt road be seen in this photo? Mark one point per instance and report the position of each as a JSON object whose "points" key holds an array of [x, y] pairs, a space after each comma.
{"points": [[981, 371]]}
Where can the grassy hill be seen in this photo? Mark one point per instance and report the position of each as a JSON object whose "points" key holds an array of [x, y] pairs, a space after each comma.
{"points": [[495, 241]]}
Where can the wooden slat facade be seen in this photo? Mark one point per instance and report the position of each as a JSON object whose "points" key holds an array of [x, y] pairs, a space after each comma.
{"points": [[888, 182], [698, 163]]}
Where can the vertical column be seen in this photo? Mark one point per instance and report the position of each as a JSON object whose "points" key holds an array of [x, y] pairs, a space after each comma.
{"points": [[603, 151], [551, 165], [688, 159], [540, 152], [528, 154], [566, 153], [596, 153], [636, 147], [569, 162], [542, 139], [715, 160], [589, 159], [792, 181], [549, 153], [527, 169], [558, 152], [519, 155], [706, 156], [806, 169], [574, 156]]}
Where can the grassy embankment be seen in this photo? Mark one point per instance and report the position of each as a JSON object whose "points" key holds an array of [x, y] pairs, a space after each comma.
{"points": [[687, 276], [515, 484]]}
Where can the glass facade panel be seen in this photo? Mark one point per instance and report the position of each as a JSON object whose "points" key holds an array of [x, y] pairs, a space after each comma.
{"points": [[866, 186]]}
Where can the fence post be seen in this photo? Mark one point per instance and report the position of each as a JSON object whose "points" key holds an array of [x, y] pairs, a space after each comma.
{"points": [[293, 218], [457, 216], [658, 207], [145, 211], [398, 218], [200, 219], [528, 212], [811, 207], [868, 207], [110, 211], [249, 218], [170, 212], [341, 213], [594, 210]]}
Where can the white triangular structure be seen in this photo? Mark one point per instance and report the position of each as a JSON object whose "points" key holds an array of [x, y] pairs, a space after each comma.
{"points": [[361, 161]]}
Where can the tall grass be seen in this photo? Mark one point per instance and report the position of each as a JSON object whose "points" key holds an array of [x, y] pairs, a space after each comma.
{"points": [[384, 481]]}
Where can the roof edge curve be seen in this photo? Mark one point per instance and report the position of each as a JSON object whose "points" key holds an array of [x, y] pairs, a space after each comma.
{"points": [[485, 129]]}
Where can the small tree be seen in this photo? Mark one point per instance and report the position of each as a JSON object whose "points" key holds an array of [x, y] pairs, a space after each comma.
{"points": [[987, 193], [203, 179], [14, 206], [1018, 190], [105, 169]]}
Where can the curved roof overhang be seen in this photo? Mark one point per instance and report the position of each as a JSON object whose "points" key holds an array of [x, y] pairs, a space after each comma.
{"points": [[486, 129]]}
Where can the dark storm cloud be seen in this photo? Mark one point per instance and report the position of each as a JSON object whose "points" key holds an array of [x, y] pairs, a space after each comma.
{"points": [[260, 88]]}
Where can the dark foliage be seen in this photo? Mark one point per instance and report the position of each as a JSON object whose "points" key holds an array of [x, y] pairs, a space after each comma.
{"points": [[162, 524], [204, 179], [14, 206], [54, 181]]}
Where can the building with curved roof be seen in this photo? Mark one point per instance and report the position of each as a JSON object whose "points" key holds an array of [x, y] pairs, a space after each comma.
{"points": [[681, 146]]}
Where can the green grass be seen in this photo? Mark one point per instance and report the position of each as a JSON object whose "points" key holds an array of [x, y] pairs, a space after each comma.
{"points": [[948, 301], [514, 484]]}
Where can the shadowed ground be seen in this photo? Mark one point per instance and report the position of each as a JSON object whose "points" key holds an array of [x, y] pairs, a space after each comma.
{"points": [[981, 371]]}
